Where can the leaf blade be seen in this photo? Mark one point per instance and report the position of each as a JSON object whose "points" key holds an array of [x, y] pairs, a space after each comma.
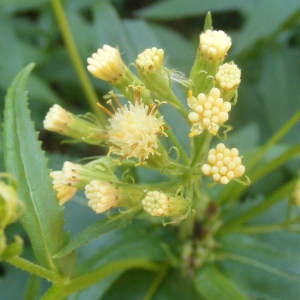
{"points": [[24, 159]]}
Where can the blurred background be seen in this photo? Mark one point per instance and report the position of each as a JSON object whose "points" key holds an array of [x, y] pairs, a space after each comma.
{"points": [[266, 46]]}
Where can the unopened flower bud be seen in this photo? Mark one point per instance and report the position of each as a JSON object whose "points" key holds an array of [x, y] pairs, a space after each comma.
{"points": [[107, 64], [228, 79], [150, 66], [10, 205], [214, 45], [223, 164], [133, 131], [64, 189], [63, 122], [150, 60], [159, 204], [209, 112], [102, 195], [213, 48]]}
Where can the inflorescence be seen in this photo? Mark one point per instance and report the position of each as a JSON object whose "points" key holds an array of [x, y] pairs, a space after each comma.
{"points": [[136, 133]]}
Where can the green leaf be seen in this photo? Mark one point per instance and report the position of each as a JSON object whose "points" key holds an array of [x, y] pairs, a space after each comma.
{"points": [[261, 269], [95, 230], [277, 13], [43, 218], [212, 284], [109, 29], [278, 87], [172, 9]]}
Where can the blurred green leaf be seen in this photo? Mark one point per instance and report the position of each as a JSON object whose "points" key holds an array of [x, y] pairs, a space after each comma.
{"points": [[109, 29], [279, 88], [264, 20], [95, 230], [261, 270], [212, 284], [43, 218], [172, 9]]}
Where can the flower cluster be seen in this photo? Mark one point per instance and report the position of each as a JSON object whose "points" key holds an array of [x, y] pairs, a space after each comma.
{"points": [[209, 112], [223, 164], [134, 127]]}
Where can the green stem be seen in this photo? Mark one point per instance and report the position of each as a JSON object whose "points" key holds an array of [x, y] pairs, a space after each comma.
{"points": [[178, 145], [260, 229], [278, 195], [76, 284], [156, 283], [75, 57], [200, 146], [34, 269]]}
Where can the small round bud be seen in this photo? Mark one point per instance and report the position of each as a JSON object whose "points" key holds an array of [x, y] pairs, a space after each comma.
{"points": [[150, 60], [223, 164], [10, 205], [209, 112], [159, 204], [228, 76], [214, 45], [106, 64], [102, 195], [133, 131]]}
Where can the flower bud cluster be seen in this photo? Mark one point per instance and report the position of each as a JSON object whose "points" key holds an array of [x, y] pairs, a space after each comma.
{"points": [[223, 164], [209, 112], [102, 195], [214, 45], [228, 76]]}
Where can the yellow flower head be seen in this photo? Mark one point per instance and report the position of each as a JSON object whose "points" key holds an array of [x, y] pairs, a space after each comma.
{"points": [[150, 60], [133, 131], [228, 76], [209, 112], [223, 164], [102, 195], [106, 64], [214, 44], [57, 119]]}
